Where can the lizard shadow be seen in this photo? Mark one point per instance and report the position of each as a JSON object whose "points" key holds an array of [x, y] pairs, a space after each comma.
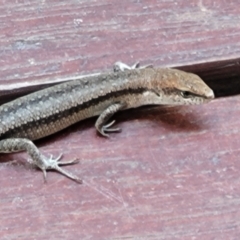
{"points": [[175, 118]]}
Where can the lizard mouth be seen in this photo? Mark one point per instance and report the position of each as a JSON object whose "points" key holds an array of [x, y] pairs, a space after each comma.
{"points": [[207, 97]]}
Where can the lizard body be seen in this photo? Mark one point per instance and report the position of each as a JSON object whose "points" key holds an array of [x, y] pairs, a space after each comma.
{"points": [[48, 111]]}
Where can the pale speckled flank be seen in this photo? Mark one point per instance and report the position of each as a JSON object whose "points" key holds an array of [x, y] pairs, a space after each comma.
{"points": [[45, 124]]}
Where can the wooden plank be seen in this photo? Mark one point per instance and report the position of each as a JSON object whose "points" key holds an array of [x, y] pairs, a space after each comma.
{"points": [[59, 39], [173, 173]]}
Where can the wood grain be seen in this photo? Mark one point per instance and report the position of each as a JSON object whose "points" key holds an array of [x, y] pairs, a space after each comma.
{"points": [[173, 172]]}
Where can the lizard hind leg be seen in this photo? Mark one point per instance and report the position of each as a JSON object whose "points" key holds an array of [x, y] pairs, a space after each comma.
{"points": [[44, 163]]}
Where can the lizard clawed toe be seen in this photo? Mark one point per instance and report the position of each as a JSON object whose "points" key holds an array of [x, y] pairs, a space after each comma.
{"points": [[106, 128]]}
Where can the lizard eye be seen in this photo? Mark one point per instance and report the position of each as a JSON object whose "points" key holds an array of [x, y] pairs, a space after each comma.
{"points": [[185, 94]]}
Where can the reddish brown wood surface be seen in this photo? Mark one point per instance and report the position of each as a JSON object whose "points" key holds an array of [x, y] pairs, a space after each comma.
{"points": [[172, 173]]}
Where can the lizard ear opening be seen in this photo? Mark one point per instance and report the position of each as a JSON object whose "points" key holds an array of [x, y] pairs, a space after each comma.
{"points": [[158, 94]]}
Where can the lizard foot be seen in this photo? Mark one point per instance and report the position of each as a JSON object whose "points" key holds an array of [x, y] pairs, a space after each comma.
{"points": [[54, 164], [106, 128], [120, 66]]}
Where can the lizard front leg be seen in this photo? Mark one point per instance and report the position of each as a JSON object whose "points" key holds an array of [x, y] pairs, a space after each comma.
{"points": [[120, 66], [101, 125], [22, 144]]}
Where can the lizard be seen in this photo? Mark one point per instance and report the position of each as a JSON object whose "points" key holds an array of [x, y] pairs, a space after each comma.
{"points": [[50, 110]]}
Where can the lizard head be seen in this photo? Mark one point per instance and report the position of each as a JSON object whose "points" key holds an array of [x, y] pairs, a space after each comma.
{"points": [[178, 87]]}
